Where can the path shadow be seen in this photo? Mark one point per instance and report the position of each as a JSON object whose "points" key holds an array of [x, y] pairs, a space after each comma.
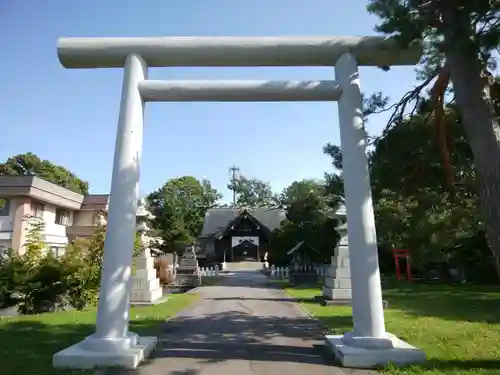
{"points": [[235, 335], [219, 352], [188, 371], [284, 299], [236, 327]]}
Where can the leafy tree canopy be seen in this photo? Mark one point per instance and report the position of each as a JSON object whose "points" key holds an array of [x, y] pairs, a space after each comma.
{"points": [[179, 207], [414, 207], [31, 165], [309, 218], [252, 192], [461, 42]]}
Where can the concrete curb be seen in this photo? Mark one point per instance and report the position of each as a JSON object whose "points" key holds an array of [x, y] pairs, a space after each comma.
{"points": [[299, 305], [183, 310], [322, 325], [306, 312]]}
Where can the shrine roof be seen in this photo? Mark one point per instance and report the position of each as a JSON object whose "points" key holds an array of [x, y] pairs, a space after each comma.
{"points": [[218, 219]]}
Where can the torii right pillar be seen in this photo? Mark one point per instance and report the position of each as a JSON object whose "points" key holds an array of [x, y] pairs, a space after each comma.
{"points": [[368, 345]]}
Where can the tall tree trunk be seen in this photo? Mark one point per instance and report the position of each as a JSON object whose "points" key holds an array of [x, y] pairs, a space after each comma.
{"points": [[479, 118]]}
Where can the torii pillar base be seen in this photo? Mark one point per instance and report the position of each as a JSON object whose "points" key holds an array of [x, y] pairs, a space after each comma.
{"points": [[396, 351], [89, 354]]}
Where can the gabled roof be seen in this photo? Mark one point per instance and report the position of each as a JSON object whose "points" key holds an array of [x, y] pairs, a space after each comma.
{"points": [[298, 246], [245, 243], [217, 220], [270, 218]]}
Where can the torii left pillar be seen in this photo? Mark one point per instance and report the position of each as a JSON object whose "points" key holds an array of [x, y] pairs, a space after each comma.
{"points": [[112, 344]]}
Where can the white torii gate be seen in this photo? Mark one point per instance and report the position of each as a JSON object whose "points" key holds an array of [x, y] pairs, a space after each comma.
{"points": [[368, 344]]}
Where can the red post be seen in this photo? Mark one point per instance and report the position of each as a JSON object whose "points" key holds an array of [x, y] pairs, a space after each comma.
{"points": [[402, 254], [396, 260], [408, 268]]}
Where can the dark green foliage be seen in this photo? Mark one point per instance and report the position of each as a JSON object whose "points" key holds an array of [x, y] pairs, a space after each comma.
{"points": [[31, 165], [437, 208], [43, 287], [309, 218], [416, 19], [38, 282], [252, 192], [414, 207], [179, 207]]}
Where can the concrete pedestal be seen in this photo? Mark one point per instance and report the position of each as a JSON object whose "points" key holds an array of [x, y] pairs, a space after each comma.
{"points": [[146, 288], [397, 352], [338, 279], [95, 352]]}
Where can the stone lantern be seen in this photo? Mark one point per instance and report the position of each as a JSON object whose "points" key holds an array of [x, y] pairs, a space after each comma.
{"points": [[146, 288], [338, 280], [143, 216]]}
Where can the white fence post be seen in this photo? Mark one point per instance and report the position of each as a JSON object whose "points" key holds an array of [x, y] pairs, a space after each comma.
{"points": [[208, 271]]}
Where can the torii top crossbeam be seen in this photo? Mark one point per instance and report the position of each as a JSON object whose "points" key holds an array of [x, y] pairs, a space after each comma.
{"points": [[82, 53]]}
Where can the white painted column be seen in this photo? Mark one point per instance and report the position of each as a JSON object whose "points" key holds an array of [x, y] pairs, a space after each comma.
{"points": [[113, 311], [368, 315]]}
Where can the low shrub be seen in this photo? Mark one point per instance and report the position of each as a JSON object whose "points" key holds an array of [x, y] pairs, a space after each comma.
{"points": [[38, 282]]}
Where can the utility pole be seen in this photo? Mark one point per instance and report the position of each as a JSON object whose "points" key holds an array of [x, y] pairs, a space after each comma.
{"points": [[232, 171]]}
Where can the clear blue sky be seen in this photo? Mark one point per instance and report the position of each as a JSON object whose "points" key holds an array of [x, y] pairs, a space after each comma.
{"points": [[70, 116]]}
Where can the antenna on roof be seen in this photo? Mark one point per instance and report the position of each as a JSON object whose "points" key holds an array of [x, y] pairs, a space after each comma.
{"points": [[232, 176]]}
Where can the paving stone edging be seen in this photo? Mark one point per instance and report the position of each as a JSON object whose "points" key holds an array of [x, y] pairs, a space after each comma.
{"points": [[306, 312]]}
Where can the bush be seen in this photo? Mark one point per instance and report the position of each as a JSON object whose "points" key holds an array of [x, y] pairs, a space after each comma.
{"points": [[34, 280], [44, 287], [11, 274], [38, 282], [34, 287], [83, 260]]}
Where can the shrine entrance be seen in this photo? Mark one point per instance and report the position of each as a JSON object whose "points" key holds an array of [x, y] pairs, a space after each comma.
{"points": [[112, 344], [244, 249]]}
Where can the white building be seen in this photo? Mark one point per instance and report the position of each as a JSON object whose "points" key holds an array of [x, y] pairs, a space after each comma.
{"points": [[66, 214]]}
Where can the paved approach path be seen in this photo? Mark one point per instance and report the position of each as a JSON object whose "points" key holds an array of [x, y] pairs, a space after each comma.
{"points": [[239, 327]]}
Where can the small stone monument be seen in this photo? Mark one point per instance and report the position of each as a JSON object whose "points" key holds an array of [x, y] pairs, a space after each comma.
{"points": [[101, 219], [338, 280], [146, 288], [187, 274]]}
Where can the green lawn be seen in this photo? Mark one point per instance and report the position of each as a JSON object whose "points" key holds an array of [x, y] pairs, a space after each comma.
{"points": [[457, 326], [27, 343]]}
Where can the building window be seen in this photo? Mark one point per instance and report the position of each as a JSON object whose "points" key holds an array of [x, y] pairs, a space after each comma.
{"points": [[63, 217], [4, 207], [57, 251], [37, 210]]}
